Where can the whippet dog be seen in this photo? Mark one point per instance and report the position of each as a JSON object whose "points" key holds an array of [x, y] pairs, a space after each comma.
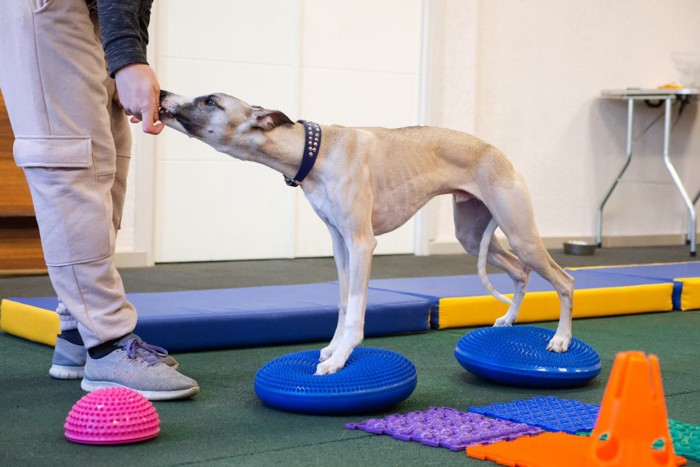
{"points": [[369, 181]]}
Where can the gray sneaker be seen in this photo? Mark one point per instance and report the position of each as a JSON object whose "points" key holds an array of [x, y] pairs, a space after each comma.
{"points": [[136, 366], [69, 359]]}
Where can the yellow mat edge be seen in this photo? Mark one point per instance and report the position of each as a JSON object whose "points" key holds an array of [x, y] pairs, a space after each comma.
{"points": [[607, 266], [690, 293], [544, 306], [29, 322]]}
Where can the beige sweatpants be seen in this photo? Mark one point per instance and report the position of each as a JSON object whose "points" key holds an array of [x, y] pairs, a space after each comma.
{"points": [[74, 145]]}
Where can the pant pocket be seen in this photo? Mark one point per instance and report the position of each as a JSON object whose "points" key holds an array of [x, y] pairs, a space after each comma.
{"points": [[40, 5], [73, 206]]}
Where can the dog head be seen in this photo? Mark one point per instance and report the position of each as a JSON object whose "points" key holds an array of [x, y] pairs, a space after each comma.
{"points": [[217, 119]]}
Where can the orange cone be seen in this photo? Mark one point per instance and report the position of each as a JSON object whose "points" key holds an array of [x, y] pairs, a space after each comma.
{"points": [[633, 416]]}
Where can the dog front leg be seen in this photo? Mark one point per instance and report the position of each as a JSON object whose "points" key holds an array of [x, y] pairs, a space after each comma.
{"points": [[340, 254], [360, 260]]}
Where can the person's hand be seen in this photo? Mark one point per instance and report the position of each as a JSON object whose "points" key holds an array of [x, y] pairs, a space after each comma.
{"points": [[138, 92]]}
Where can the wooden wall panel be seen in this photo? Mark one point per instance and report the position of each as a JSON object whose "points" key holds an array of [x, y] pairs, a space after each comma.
{"points": [[20, 245], [15, 199]]}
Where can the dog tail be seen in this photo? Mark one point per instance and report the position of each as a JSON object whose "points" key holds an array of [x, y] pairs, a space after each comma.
{"points": [[481, 263]]}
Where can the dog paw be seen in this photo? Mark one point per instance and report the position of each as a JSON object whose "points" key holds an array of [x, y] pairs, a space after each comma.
{"points": [[335, 363], [327, 368], [559, 344], [502, 321], [326, 353]]}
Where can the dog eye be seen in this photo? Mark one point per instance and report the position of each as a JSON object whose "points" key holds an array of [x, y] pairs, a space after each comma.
{"points": [[211, 102]]}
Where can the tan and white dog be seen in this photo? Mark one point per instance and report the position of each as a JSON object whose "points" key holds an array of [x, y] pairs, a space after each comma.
{"points": [[369, 181]]}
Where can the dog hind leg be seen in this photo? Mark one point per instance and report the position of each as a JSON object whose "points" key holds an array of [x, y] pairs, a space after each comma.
{"points": [[512, 209], [540, 261], [472, 218]]}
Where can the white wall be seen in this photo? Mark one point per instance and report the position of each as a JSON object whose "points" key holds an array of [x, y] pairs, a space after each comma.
{"points": [[524, 75], [338, 62], [541, 67], [453, 85]]}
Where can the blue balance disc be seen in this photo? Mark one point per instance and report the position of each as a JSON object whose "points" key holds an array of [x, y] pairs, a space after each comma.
{"points": [[518, 356], [372, 379]]}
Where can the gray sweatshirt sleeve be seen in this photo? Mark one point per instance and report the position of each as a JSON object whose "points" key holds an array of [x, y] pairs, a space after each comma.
{"points": [[124, 28]]}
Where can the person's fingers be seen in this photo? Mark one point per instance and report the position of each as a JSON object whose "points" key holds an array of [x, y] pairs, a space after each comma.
{"points": [[139, 95], [150, 118]]}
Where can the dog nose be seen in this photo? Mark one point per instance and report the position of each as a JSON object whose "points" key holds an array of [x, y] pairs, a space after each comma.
{"points": [[163, 93]]}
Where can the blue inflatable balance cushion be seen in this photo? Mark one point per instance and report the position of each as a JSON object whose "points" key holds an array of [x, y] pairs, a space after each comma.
{"points": [[372, 379], [518, 356]]}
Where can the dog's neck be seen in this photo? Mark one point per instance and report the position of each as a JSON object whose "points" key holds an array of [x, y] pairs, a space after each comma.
{"points": [[281, 148]]}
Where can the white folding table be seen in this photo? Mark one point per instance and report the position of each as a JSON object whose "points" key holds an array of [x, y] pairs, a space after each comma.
{"points": [[664, 97]]}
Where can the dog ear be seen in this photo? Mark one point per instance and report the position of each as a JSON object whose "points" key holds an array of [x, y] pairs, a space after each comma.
{"points": [[269, 119]]}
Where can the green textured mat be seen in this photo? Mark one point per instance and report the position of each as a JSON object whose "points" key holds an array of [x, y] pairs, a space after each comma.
{"points": [[685, 437]]}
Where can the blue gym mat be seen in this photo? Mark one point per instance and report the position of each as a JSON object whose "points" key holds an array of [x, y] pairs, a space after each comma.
{"points": [[230, 318]]}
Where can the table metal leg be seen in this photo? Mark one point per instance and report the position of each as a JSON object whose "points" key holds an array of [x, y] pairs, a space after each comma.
{"points": [[695, 201], [630, 119], [692, 223]]}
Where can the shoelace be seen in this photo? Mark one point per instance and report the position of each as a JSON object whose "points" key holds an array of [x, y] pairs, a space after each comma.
{"points": [[151, 354], [160, 351]]}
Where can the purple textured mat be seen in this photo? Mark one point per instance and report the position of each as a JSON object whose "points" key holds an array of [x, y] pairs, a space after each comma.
{"points": [[550, 413], [445, 427]]}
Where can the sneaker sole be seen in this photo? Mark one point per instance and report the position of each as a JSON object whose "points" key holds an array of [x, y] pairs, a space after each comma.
{"points": [[72, 372], [90, 386], [66, 372]]}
